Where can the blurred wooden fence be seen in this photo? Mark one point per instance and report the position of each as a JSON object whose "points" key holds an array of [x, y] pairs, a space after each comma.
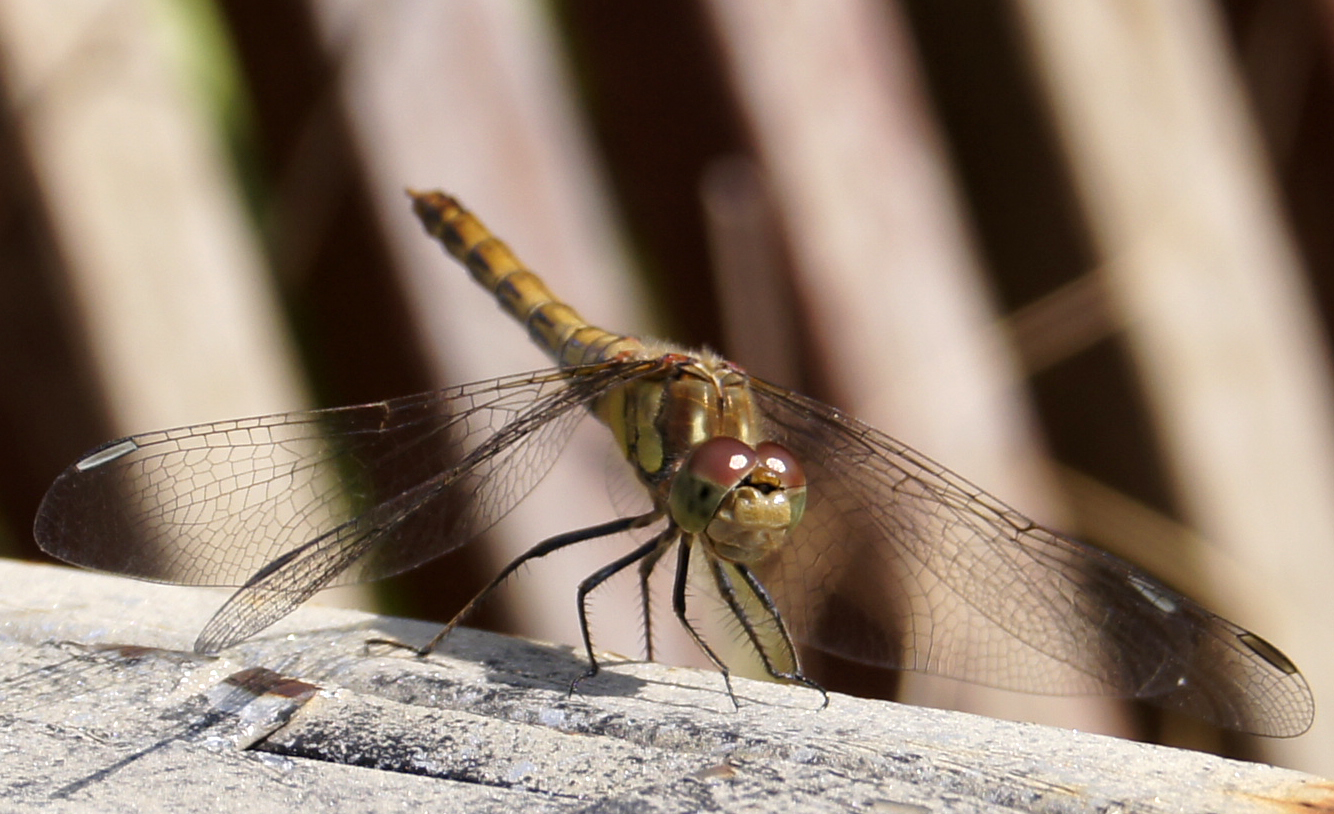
{"points": [[1079, 252]]}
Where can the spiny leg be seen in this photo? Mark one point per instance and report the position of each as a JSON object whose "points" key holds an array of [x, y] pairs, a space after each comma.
{"points": [[595, 579], [728, 593], [679, 607], [542, 549], [646, 567]]}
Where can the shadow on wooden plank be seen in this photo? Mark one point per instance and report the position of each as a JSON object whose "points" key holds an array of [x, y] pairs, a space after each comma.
{"points": [[105, 707]]}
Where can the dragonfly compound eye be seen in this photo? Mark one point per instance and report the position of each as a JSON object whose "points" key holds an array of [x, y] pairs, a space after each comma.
{"points": [[779, 464], [712, 470], [782, 464]]}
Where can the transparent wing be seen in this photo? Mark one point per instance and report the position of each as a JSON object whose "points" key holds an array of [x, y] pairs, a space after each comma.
{"points": [[900, 563], [365, 491]]}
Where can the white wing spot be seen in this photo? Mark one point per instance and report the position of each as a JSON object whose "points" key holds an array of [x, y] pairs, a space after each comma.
{"points": [[1153, 593], [106, 456]]}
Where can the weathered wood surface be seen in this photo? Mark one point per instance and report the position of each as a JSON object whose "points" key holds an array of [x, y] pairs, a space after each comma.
{"points": [[104, 708]]}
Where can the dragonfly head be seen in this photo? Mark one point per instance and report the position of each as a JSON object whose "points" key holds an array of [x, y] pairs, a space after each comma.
{"points": [[743, 499]]}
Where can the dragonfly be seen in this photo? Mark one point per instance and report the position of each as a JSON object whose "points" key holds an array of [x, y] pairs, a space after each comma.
{"points": [[811, 528]]}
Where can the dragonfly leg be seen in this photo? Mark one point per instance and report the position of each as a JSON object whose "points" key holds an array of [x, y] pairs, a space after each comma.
{"points": [[600, 576], [646, 567], [762, 594], [542, 549], [679, 607]]}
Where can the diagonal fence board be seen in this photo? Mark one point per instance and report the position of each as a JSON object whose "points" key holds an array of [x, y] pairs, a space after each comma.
{"points": [[1201, 271], [105, 708]]}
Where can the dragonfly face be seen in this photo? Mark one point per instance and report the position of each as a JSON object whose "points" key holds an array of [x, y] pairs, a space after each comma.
{"points": [[745, 501], [815, 528]]}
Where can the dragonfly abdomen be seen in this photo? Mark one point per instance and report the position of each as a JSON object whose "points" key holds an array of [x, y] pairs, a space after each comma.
{"points": [[552, 323]]}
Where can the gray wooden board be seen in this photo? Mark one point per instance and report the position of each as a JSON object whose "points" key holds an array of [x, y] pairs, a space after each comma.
{"points": [[104, 708]]}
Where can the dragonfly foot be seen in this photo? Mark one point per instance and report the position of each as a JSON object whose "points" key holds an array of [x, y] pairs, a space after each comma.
{"points": [[727, 681], [419, 652], [574, 685], [798, 678]]}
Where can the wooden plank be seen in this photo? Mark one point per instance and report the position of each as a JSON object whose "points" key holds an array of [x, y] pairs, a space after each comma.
{"points": [[103, 711]]}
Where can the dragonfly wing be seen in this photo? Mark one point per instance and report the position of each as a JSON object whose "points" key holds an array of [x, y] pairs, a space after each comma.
{"points": [[900, 563], [348, 494]]}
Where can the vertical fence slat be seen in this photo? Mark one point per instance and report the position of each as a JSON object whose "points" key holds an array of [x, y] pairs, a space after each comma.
{"points": [[163, 268], [165, 271]]}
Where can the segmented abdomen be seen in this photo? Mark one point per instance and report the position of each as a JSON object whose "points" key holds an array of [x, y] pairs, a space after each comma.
{"points": [[556, 327]]}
